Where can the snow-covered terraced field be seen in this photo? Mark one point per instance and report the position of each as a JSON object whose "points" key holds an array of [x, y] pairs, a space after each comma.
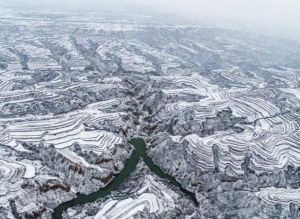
{"points": [[271, 135], [218, 109], [280, 195]]}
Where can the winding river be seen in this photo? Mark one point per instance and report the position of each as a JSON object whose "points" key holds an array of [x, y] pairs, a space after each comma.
{"points": [[140, 151]]}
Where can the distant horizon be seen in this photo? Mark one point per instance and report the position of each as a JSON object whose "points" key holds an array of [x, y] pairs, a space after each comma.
{"points": [[129, 109], [277, 18]]}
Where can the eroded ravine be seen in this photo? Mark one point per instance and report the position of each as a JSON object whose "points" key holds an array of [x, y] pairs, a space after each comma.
{"points": [[140, 151]]}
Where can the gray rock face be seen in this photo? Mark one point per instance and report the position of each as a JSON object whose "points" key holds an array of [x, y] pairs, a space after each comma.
{"points": [[218, 109]]}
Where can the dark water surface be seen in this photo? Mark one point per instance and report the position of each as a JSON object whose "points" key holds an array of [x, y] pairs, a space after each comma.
{"points": [[140, 151]]}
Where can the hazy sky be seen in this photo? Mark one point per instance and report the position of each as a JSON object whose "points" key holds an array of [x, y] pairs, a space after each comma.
{"points": [[281, 17]]}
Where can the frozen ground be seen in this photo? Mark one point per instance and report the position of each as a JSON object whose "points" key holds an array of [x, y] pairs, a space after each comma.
{"points": [[219, 111]]}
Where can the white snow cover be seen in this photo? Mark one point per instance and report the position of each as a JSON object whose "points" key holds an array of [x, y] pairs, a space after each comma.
{"points": [[129, 207], [153, 196], [279, 195]]}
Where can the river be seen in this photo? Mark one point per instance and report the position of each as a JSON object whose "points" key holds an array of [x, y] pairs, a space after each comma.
{"points": [[140, 151]]}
